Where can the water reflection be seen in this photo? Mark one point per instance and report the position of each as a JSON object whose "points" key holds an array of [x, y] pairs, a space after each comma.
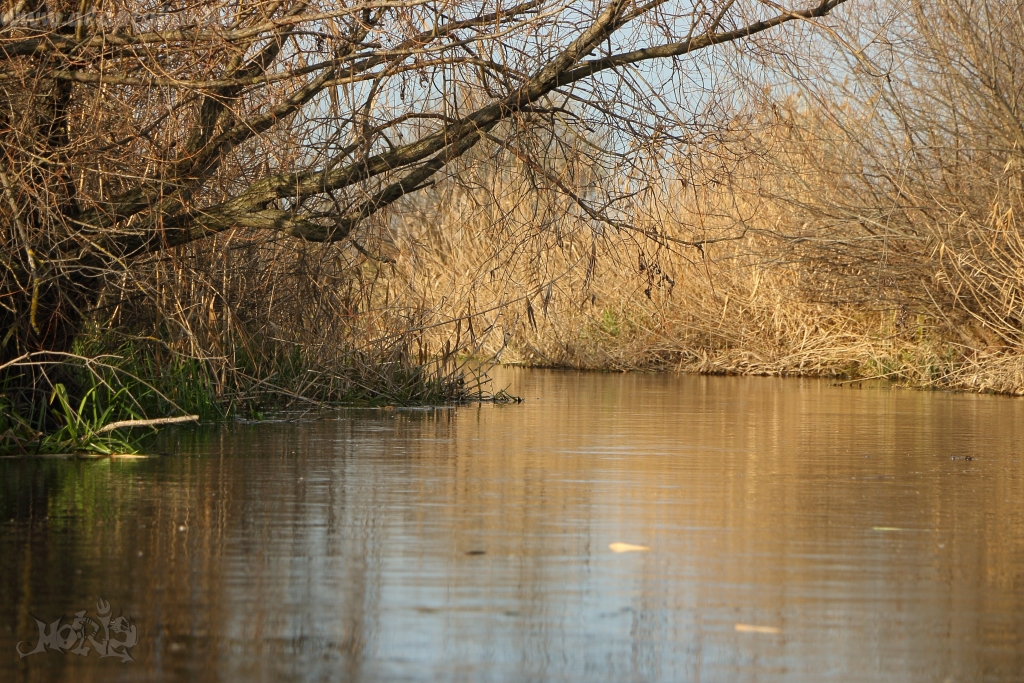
{"points": [[472, 544]]}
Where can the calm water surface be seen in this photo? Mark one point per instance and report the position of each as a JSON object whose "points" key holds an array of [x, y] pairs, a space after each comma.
{"points": [[472, 544]]}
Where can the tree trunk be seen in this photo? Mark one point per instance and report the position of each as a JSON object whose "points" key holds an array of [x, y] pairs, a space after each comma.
{"points": [[45, 290]]}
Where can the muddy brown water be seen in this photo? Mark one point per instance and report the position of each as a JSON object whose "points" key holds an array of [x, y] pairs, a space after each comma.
{"points": [[796, 531]]}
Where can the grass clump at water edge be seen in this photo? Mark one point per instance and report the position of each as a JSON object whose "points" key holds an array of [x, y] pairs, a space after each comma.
{"points": [[110, 399]]}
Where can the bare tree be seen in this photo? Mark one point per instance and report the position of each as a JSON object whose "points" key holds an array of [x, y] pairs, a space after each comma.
{"points": [[130, 128]]}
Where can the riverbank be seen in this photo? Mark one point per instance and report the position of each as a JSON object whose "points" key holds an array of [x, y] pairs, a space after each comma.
{"points": [[771, 341]]}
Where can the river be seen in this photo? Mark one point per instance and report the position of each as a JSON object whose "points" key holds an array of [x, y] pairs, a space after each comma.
{"points": [[795, 531]]}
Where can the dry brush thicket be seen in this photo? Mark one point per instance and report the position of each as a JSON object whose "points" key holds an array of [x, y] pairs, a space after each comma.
{"points": [[222, 206], [197, 199], [858, 217]]}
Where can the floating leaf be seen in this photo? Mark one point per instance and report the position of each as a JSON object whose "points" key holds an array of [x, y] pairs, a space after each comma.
{"points": [[627, 548], [750, 628]]}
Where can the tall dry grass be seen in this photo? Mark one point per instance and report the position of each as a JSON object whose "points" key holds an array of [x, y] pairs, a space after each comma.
{"points": [[715, 291]]}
